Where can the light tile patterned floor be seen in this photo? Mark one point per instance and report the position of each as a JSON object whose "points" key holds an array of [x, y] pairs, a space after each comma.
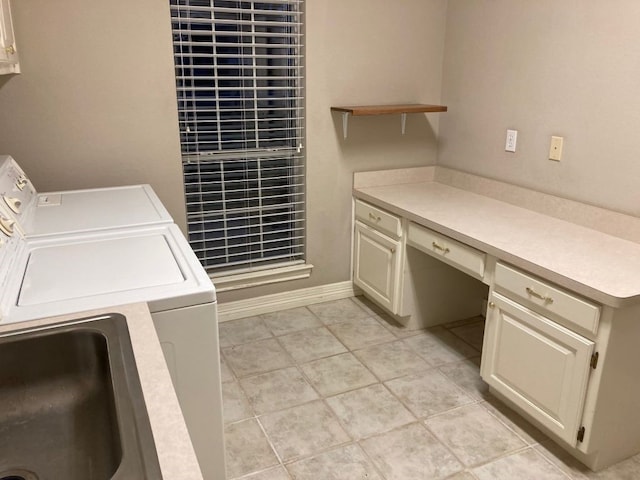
{"points": [[337, 391]]}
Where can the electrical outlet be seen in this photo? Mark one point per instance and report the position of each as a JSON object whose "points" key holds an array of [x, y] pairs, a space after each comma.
{"points": [[512, 137], [555, 150]]}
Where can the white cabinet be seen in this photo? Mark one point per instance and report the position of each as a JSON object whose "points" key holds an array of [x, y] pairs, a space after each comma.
{"points": [[377, 265], [378, 255], [8, 52], [566, 363], [532, 354], [418, 290], [539, 365], [560, 358]]}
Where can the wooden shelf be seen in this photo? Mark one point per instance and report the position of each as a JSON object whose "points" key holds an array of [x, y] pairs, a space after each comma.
{"points": [[402, 109], [361, 110]]}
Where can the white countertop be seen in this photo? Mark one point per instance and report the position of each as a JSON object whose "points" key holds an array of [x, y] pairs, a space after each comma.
{"points": [[173, 445], [589, 262]]}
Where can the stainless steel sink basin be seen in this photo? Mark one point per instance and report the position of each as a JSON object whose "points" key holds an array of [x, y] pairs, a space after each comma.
{"points": [[71, 405]]}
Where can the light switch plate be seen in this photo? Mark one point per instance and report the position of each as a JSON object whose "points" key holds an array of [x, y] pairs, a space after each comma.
{"points": [[555, 150], [512, 138]]}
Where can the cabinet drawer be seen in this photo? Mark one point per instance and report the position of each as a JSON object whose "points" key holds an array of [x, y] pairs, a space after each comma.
{"points": [[456, 254], [379, 219], [547, 299]]}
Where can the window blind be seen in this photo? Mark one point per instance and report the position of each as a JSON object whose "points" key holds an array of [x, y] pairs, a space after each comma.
{"points": [[240, 89]]}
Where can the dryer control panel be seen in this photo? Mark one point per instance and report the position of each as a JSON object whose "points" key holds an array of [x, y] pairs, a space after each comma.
{"points": [[19, 196]]}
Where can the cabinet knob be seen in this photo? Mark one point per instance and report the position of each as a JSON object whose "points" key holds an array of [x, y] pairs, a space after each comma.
{"points": [[13, 203], [6, 226], [492, 305], [21, 183], [10, 49]]}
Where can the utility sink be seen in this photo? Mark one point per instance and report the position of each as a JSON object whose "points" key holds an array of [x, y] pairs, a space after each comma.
{"points": [[71, 405]]}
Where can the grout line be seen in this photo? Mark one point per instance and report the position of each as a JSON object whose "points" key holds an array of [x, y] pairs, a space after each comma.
{"points": [[511, 428], [257, 472], [515, 451], [518, 452], [264, 432], [548, 460], [372, 461], [446, 447]]}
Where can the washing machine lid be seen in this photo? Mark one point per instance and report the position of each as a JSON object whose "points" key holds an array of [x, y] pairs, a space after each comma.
{"points": [[95, 209], [98, 266], [149, 264]]}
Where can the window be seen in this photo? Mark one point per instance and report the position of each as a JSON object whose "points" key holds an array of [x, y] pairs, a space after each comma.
{"points": [[240, 82]]}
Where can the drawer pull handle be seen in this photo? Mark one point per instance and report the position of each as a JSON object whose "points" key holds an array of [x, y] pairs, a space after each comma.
{"points": [[440, 247], [374, 217], [544, 298]]}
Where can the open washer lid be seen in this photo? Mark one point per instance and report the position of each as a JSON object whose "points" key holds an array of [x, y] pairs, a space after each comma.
{"points": [[88, 271]]}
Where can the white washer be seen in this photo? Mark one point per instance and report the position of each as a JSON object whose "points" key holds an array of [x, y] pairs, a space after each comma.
{"points": [[54, 276], [72, 211]]}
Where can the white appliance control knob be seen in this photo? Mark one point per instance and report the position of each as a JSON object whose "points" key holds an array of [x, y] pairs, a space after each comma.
{"points": [[6, 226], [13, 203], [21, 182]]}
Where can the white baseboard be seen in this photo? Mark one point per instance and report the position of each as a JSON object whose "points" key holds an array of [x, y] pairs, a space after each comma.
{"points": [[283, 301]]}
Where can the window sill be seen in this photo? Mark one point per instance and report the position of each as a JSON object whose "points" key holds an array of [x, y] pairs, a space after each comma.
{"points": [[225, 283]]}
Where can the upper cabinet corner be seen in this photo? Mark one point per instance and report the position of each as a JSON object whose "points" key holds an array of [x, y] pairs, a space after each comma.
{"points": [[9, 62]]}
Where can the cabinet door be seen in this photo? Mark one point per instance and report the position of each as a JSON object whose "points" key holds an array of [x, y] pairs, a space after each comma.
{"points": [[8, 54], [540, 366], [376, 265]]}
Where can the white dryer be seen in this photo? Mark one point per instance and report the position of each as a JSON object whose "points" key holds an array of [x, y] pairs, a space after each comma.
{"points": [[73, 211]]}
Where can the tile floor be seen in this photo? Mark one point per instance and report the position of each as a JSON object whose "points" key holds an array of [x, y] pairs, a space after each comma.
{"points": [[336, 391]]}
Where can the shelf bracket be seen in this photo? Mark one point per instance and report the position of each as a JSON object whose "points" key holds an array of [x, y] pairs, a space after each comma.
{"points": [[345, 124]]}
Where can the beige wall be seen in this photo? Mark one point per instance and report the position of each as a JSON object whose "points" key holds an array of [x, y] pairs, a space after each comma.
{"points": [[362, 52], [546, 68], [95, 103]]}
